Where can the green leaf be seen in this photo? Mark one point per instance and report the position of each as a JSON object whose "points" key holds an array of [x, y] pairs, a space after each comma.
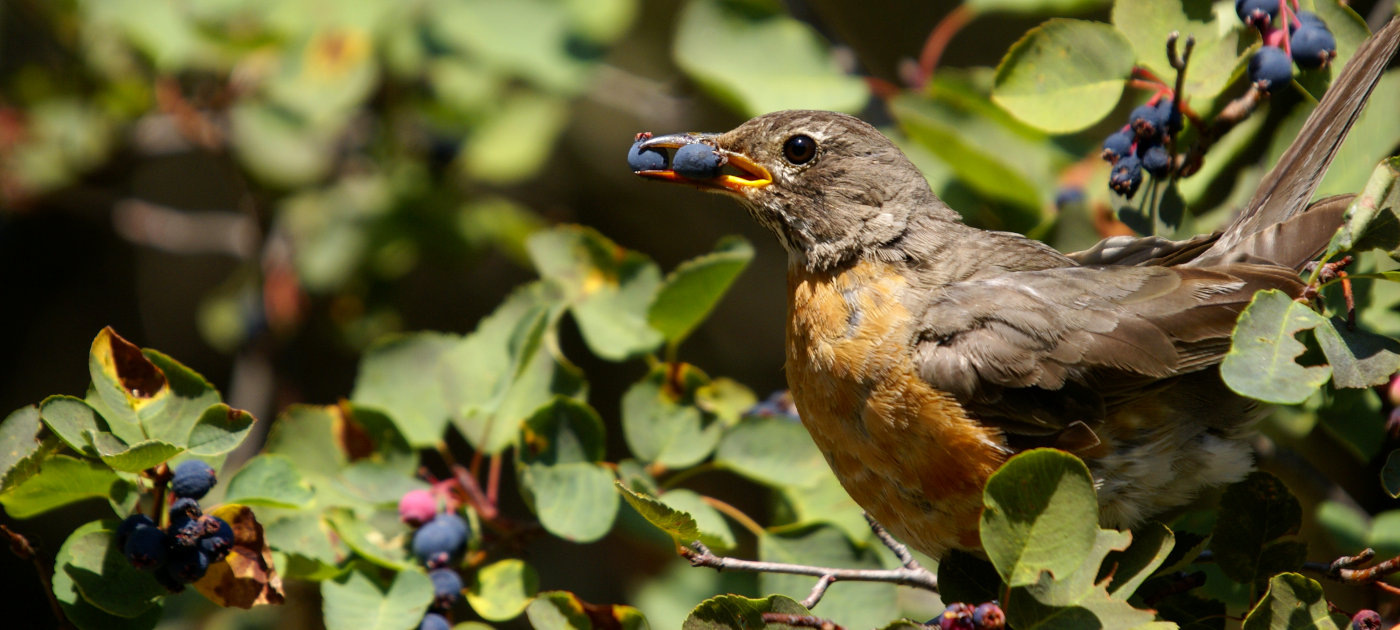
{"points": [[269, 480], [855, 605], [727, 398], [23, 446], [171, 417], [306, 538], [609, 289], [1355, 418], [62, 480], [514, 142], [399, 375], [503, 589], [529, 40], [1040, 515], [1359, 358], [1064, 75], [350, 454], [1390, 474], [714, 530], [717, 42], [696, 286], [574, 501], [1293, 602], [825, 502], [355, 602], [220, 429], [1344, 524], [1218, 52], [378, 536], [679, 525], [280, 147], [84, 615], [101, 574], [666, 426], [1261, 362], [134, 457], [727, 612], [1152, 544], [774, 451], [999, 157], [1384, 536], [71, 419], [124, 381], [558, 610], [563, 431], [1259, 511]]}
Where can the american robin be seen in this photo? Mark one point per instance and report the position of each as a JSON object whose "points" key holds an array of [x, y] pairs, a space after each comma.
{"points": [[922, 352]]}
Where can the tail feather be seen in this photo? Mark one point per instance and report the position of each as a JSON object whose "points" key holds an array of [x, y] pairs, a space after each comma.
{"points": [[1286, 190]]}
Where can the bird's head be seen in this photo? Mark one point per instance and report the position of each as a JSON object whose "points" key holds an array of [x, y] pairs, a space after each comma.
{"points": [[830, 186]]}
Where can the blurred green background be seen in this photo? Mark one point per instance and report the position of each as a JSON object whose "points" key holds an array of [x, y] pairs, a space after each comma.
{"points": [[261, 188]]}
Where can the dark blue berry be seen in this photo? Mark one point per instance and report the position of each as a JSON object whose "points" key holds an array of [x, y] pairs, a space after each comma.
{"points": [[1118, 145], [1166, 110], [187, 564], [146, 547], [184, 509], [130, 524], [696, 161], [1126, 176], [1313, 46], [1256, 13], [1366, 620], [193, 479], [447, 587], [1270, 69], [645, 159], [434, 621], [1147, 122], [1156, 160], [217, 538], [440, 540], [1305, 17]]}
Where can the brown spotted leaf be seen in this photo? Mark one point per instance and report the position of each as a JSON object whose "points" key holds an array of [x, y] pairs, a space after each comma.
{"points": [[125, 380], [245, 578]]}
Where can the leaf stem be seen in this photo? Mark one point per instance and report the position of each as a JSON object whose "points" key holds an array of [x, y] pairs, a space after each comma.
{"points": [[736, 514]]}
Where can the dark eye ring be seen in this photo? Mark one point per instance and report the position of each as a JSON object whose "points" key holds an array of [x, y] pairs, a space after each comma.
{"points": [[800, 149]]}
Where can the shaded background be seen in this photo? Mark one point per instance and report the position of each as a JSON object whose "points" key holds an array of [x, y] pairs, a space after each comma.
{"points": [[166, 234]]}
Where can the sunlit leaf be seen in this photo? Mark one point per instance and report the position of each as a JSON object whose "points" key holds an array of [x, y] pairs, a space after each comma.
{"points": [[62, 480], [1064, 75], [503, 589], [356, 602], [1262, 361], [1040, 515], [1292, 601], [696, 286]]}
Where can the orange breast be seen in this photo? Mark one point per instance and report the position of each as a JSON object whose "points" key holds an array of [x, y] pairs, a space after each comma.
{"points": [[905, 451]]}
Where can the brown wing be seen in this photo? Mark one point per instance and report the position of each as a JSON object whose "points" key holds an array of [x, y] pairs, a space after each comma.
{"points": [[1038, 351]]}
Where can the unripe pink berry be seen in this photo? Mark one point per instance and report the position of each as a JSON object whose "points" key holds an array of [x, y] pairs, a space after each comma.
{"points": [[417, 507]]}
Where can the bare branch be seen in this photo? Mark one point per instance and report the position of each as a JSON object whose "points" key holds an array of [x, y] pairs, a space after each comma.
{"points": [[701, 556]]}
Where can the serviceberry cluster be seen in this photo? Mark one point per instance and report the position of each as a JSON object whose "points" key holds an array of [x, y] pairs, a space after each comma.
{"points": [[1306, 41], [183, 551], [440, 540], [1141, 145], [987, 616]]}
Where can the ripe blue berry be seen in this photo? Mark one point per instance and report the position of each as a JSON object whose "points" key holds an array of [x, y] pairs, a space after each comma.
{"points": [[1256, 13], [1305, 17], [1118, 145], [440, 540], [696, 161], [130, 524], [645, 160], [1313, 45], [187, 564], [1166, 110], [1366, 620], [434, 621], [1147, 122], [193, 479], [447, 587], [1156, 160], [989, 616], [184, 509], [1126, 176], [1270, 69], [217, 538], [146, 547]]}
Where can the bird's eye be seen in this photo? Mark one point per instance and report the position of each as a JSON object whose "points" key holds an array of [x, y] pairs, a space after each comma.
{"points": [[800, 149]]}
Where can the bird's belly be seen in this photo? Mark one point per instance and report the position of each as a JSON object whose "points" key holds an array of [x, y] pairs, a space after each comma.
{"points": [[907, 453]]}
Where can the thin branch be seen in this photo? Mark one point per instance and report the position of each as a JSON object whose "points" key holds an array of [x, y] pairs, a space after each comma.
{"points": [[493, 479], [19, 545], [734, 513], [818, 590], [938, 41], [1344, 570], [900, 551], [701, 556], [800, 621]]}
